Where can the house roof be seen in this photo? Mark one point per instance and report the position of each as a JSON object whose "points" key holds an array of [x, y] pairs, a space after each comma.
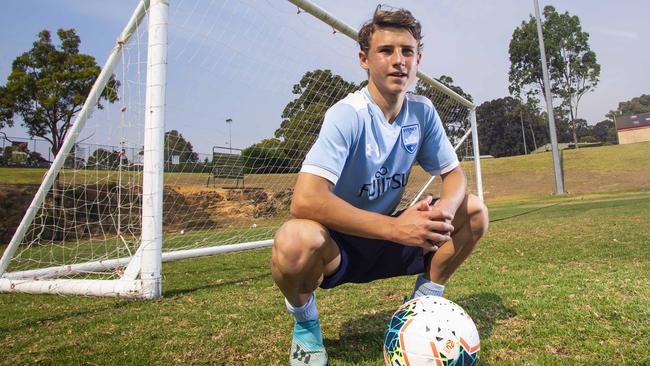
{"points": [[633, 121]]}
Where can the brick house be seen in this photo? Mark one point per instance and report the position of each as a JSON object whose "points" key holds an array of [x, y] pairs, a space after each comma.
{"points": [[633, 128]]}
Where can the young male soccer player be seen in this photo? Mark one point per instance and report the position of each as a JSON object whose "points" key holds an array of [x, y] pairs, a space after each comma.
{"points": [[353, 178]]}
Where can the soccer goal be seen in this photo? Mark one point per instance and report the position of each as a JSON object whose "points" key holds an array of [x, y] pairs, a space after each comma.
{"points": [[211, 94]]}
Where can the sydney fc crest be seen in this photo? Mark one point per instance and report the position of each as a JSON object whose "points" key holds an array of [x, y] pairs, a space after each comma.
{"points": [[411, 137]]}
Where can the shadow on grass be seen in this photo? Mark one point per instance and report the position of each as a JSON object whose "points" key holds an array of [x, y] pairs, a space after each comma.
{"points": [[113, 306], [361, 339], [185, 291], [524, 213], [69, 315]]}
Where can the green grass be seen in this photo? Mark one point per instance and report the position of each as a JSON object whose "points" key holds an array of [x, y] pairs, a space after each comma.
{"points": [[562, 281], [55, 253], [34, 176], [21, 175]]}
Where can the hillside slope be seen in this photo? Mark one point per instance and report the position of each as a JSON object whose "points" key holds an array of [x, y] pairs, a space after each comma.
{"points": [[587, 170]]}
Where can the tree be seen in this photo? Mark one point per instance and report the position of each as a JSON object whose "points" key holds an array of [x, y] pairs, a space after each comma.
{"points": [[105, 159], [640, 104], [5, 109], [48, 86], [452, 114], [604, 131], [573, 68], [18, 153], [176, 145], [266, 156], [303, 117], [73, 160], [499, 127], [582, 130]]}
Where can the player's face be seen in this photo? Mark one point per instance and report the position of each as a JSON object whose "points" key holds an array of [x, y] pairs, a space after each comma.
{"points": [[392, 60]]}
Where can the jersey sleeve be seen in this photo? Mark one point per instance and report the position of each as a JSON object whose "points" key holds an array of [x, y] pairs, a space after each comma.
{"points": [[437, 156], [328, 155]]}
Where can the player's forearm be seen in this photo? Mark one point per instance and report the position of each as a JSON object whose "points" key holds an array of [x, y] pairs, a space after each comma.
{"points": [[333, 212], [453, 190]]}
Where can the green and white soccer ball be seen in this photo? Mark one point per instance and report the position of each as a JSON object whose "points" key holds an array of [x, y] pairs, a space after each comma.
{"points": [[431, 330]]}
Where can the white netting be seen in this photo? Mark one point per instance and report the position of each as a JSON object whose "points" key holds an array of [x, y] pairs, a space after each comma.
{"points": [[248, 83]]}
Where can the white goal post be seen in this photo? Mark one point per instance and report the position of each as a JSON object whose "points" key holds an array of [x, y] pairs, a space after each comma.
{"points": [[128, 191]]}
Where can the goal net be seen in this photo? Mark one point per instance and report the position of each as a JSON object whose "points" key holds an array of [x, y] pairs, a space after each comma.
{"points": [[219, 101]]}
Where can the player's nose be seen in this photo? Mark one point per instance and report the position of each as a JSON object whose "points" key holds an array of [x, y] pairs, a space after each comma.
{"points": [[398, 58]]}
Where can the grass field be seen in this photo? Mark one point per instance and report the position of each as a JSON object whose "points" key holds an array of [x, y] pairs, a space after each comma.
{"points": [[596, 169], [564, 281], [558, 280]]}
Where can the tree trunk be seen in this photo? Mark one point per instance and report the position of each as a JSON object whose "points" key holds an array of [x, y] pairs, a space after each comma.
{"points": [[575, 135]]}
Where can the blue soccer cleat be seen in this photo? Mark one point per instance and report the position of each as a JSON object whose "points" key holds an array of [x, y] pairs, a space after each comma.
{"points": [[307, 345]]}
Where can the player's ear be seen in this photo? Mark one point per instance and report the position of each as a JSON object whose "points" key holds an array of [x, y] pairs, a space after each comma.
{"points": [[419, 57], [363, 60]]}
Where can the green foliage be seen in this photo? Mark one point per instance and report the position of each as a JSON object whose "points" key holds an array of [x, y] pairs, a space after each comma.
{"points": [[105, 159], [18, 154], [47, 87], [302, 118], [176, 145], [640, 104], [316, 91], [582, 130], [500, 127], [266, 156], [604, 131], [452, 114], [573, 68], [6, 112]]}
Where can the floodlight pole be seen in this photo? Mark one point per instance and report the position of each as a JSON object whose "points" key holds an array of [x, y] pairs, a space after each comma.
{"points": [[523, 131], [559, 181], [229, 122]]}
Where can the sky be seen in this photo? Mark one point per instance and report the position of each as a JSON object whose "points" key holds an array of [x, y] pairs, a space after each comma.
{"points": [[240, 58]]}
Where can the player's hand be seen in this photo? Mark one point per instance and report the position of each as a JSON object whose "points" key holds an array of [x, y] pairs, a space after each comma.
{"points": [[440, 212], [423, 226]]}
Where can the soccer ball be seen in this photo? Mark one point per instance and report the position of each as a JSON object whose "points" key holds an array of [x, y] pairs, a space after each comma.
{"points": [[431, 330]]}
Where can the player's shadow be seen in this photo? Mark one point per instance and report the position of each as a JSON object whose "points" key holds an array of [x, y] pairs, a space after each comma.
{"points": [[361, 339]]}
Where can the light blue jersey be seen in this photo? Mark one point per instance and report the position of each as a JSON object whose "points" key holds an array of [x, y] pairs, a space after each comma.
{"points": [[369, 160]]}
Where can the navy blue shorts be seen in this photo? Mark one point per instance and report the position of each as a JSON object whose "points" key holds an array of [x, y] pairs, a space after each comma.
{"points": [[364, 260]]}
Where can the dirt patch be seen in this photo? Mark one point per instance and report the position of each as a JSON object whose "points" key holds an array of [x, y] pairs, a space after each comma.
{"points": [[226, 206], [88, 210], [14, 201]]}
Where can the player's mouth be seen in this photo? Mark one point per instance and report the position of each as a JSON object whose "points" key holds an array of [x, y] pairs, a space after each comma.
{"points": [[398, 74]]}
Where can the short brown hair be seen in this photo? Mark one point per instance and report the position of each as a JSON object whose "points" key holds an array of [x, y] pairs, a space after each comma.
{"points": [[389, 18]]}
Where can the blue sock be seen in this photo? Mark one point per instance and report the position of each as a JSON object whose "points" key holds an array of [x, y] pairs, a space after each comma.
{"points": [[424, 287]]}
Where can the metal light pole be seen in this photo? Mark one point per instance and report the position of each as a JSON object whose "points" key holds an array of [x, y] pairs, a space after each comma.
{"points": [[229, 122], [523, 132], [559, 181]]}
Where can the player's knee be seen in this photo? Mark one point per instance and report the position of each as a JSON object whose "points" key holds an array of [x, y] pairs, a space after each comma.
{"points": [[295, 243], [478, 215]]}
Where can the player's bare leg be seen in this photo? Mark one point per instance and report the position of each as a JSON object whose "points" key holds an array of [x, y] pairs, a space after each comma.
{"points": [[470, 223], [303, 254]]}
